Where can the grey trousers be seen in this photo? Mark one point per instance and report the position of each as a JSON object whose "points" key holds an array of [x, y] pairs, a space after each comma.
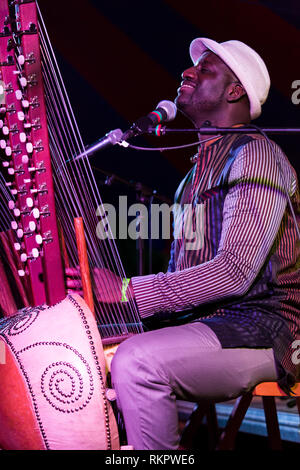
{"points": [[151, 370]]}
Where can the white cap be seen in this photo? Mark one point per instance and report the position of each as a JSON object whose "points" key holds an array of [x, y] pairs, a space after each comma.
{"points": [[244, 62]]}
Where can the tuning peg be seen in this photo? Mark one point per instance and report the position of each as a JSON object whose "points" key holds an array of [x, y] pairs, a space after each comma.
{"points": [[29, 58], [31, 80], [36, 213], [17, 212], [5, 130], [22, 137], [25, 104], [23, 81], [21, 59], [34, 254], [39, 239], [19, 95], [29, 202], [15, 191], [31, 226], [12, 171], [39, 191], [21, 116], [29, 147]]}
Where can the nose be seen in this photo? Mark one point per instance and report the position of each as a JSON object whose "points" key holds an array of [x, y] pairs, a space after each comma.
{"points": [[189, 73]]}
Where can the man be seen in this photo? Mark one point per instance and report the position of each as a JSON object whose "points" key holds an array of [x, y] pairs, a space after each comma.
{"points": [[239, 285]]}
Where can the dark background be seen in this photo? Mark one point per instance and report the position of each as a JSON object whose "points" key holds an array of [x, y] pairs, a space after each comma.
{"points": [[120, 58]]}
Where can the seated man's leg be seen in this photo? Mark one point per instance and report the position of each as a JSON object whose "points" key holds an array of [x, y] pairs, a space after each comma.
{"points": [[151, 370]]}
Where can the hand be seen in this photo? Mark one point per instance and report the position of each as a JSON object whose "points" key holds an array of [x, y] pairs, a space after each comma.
{"points": [[109, 288], [73, 281]]}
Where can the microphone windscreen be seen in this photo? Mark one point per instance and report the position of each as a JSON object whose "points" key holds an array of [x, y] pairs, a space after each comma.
{"points": [[169, 107]]}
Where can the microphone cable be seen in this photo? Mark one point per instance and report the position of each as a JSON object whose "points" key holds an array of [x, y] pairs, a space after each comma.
{"points": [[161, 149]]}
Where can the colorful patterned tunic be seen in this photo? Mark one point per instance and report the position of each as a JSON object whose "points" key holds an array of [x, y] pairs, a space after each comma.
{"points": [[235, 258]]}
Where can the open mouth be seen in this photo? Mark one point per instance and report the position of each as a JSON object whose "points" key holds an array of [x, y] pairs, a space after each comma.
{"points": [[186, 84]]}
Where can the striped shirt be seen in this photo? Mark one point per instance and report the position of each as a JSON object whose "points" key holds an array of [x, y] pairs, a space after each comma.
{"points": [[239, 272]]}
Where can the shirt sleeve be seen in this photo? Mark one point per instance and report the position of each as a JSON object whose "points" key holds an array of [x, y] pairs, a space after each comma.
{"points": [[252, 213]]}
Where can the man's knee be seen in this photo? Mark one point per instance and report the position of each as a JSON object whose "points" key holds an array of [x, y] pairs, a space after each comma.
{"points": [[127, 360]]}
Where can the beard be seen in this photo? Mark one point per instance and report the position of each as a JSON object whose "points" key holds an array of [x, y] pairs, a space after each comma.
{"points": [[199, 111], [195, 107]]}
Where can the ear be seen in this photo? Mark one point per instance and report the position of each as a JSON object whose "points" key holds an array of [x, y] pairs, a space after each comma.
{"points": [[235, 92]]}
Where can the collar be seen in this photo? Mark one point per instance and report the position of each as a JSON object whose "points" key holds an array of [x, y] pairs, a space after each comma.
{"points": [[208, 142]]}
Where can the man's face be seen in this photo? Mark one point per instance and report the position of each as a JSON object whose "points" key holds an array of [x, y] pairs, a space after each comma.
{"points": [[203, 86]]}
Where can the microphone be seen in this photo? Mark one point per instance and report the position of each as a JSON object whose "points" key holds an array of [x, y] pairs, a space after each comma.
{"points": [[165, 111], [110, 139]]}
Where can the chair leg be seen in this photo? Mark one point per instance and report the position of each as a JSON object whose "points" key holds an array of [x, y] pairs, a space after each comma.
{"points": [[272, 423], [228, 436], [192, 426], [212, 425], [298, 404]]}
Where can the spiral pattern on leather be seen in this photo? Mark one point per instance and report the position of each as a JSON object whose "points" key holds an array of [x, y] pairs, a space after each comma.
{"points": [[66, 388], [18, 323]]}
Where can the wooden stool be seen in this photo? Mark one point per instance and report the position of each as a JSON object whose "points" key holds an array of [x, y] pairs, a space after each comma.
{"points": [[190, 431], [267, 390]]}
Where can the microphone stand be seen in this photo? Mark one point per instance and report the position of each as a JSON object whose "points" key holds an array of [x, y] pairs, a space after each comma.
{"points": [[143, 194], [163, 130], [112, 177]]}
